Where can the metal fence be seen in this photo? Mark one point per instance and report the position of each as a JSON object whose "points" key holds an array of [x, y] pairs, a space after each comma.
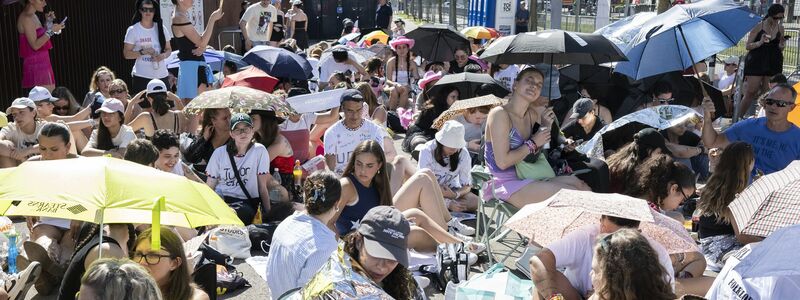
{"points": [[434, 11]]}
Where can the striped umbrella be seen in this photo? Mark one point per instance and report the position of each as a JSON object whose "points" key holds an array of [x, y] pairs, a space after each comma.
{"points": [[780, 209], [753, 203]]}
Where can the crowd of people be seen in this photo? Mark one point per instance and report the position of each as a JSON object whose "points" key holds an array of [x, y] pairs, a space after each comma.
{"points": [[375, 202]]}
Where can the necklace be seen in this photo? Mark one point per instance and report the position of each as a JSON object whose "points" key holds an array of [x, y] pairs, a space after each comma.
{"points": [[357, 127]]}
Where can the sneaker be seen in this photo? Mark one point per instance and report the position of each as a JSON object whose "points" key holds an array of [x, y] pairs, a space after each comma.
{"points": [[422, 281], [473, 247], [472, 258], [17, 285], [456, 225], [51, 270], [462, 237]]}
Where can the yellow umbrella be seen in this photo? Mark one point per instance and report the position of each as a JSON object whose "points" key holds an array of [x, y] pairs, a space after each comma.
{"points": [[478, 33], [108, 190], [381, 36]]}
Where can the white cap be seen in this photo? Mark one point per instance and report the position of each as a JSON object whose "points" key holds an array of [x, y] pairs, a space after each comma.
{"points": [[156, 86], [39, 93], [451, 135], [112, 105], [732, 60], [21, 103]]}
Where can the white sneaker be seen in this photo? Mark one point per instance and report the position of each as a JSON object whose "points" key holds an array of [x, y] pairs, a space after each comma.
{"points": [[422, 281], [462, 237], [456, 225], [17, 285], [474, 247], [472, 258]]}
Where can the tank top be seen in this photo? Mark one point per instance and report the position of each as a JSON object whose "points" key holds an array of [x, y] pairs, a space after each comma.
{"points": [[279, 21], [368, 198], [174, 126], [403, 78], [25, 49], [72, 277], [300, 25], [185, 46], [708, 227]]}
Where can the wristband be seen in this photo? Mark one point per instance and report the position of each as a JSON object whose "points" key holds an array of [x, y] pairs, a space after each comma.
{"points": [[531, 146], [50, 33]]}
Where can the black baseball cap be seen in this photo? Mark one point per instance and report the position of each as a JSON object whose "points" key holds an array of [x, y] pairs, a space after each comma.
{"points": [[651, 138], [385, 231], [351, 95]]}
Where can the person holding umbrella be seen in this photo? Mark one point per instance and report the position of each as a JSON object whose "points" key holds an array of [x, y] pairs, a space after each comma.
{"points": [[422, 130], [215, 130], [574, 252], [515, 130]]}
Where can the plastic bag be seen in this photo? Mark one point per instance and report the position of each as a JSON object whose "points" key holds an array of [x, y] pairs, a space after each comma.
{"points": [[231, 240]]}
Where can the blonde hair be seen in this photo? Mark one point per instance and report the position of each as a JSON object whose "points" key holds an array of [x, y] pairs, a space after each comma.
{"points": [[95, 77], [122, 279]]}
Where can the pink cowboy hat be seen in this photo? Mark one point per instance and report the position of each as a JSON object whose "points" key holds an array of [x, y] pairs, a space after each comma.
{"points": [[400, 40], [429, 76]]}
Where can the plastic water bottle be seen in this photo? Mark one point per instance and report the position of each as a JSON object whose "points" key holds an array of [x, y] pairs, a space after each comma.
{"points": [[12, 251], [275, 191], [297, 172]]}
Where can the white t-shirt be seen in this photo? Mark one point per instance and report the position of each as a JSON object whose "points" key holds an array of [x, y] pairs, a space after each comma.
{"points": [[331, 66], [454, 179], [142, 38], [312, 86], [123, 138], [341, 141], [576, 249], [257, 20], [507, 75], [726, 80], [305, 122], [19, 138], [255, 162], [300, 246]]}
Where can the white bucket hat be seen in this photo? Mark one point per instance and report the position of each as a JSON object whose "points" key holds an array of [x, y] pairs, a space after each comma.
{"points": [[451, 135]]}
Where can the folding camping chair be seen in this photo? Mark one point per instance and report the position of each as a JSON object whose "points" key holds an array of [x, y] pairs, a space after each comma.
{"points": [[489, 225]]}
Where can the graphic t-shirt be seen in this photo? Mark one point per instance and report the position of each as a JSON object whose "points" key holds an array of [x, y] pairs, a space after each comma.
{"points": [[507, 76], [254, 162], [20, 139], [257, 20], [454, 179], [774, 150], [143, 38], [341, 141]]}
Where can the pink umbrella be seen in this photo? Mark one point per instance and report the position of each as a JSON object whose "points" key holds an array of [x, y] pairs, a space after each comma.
{"points": [[567, 210]]}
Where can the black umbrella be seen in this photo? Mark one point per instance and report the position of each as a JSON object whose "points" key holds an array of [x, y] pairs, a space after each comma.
{"points": [[586, 73], [438, 42], [468, 85], [553, 46], [279, 62]]}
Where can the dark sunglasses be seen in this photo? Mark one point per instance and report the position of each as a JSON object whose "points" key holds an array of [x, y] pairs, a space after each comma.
{"points": [[663, 101], [778, 103], [61, 108], [119, 91], [147, 9]]}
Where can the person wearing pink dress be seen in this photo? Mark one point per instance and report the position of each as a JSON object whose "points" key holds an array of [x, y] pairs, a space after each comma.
{"points": [[35, 45]]}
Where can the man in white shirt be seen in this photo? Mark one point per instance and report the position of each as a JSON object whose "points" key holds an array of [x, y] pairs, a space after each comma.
{"points": [[345, 135], [256, 23], [574, 254]]}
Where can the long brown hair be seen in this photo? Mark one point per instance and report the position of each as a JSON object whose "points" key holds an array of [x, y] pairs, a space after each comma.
{"points": [[629, 268], [730, 178], [381, 180], [622, 164], [399, 283], [655, 176], [180, 281], [369, 96], [268, 132], [208, 118]]}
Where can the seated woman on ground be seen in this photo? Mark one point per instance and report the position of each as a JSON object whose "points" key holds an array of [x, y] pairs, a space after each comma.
{"points": [[161, 116], [447, 156], [622, 268], [474, 121], [167, 265], [19, 139], [215, 132], [574, 254], [510, 137], [599, 110], [422, 130], [375, 256], [374, 111], [303, 242], [65, 105], [622, 165], [114, 278], [686, 148], [717, 229], [117, 239], [169, 155], [112, 135], [45, 108], [365, 184], [281, 155]]}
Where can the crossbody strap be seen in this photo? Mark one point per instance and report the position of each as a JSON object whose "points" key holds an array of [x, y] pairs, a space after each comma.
{"points": [[238, 178]]}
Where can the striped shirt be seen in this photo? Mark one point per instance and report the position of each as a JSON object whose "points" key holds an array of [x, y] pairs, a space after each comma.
{"points": [[300, 246]]}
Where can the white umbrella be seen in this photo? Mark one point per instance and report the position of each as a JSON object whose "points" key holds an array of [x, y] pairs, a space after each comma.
{"points": [[747, 203]]}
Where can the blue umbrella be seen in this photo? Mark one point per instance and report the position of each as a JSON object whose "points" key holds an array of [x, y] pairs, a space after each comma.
{"points": [[624, 30], [685, 34], [235, 58], [279, 62], [213, 58]]}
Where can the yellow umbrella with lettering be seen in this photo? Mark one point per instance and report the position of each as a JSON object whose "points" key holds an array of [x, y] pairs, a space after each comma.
{"points": [[109, 190]]}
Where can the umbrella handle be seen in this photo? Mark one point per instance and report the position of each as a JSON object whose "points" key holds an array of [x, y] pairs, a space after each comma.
{"points": [[155, 231]]}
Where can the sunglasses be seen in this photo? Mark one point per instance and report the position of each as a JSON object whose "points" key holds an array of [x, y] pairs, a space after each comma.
{"points": [[150, 258], [730, 65], [778, 103], [147, 9], [119, 91], [61, 108], [668, 100]]}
